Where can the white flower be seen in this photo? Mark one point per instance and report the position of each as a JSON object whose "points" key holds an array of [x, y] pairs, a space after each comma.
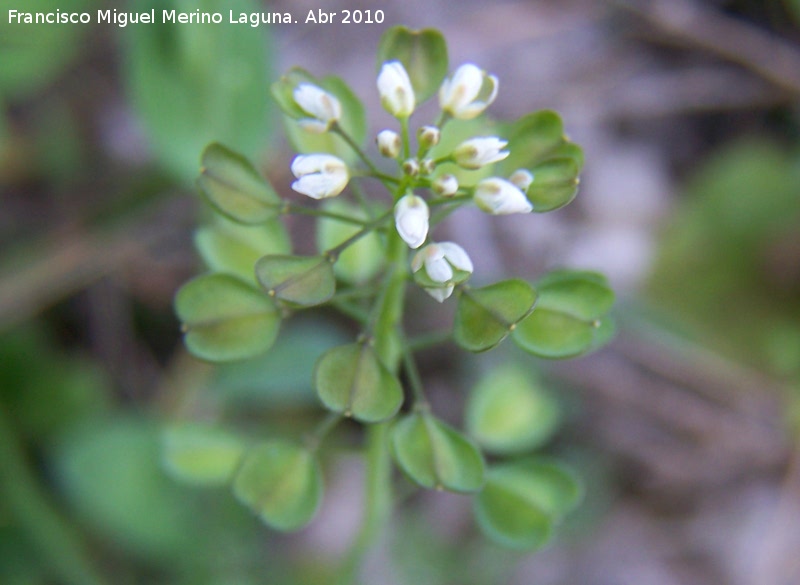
{"points": [[439, 261], [499, 197], [411, 219], [394, 86], [445, 186], [478, 152], [468, 92], [322, 108], [389, 143], [319, 175], [522, 179]]}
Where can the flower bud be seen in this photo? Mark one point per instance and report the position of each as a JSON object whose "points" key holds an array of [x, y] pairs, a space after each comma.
{"points": [[499, 197], [522, 179], [468, 92], [445, 186], [411, 167], [427, 166], [319, 175], [323, 109], [411, 219], [389, 143], [478, 152], [441, 261], [394, 87], [429, 136]]}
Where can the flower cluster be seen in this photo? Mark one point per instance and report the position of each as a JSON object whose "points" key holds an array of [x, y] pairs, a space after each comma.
{"points": [[462, 96]]}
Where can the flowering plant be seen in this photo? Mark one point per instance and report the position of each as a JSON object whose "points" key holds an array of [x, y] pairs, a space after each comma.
{"points": [[235, 311]]}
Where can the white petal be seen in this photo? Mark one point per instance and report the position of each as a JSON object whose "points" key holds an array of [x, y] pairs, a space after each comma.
{"points": [[500, 197], [319, 103], [394, 86], [438, 269], [456, 256], [440, 293], [411, 219]]}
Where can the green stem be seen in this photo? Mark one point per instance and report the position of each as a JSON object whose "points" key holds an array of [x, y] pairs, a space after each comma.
{"points": [[406, 139], [412, 373], [368, 227], [376, 172], [427, 340], [378, 486], [325, 426], [59, 544], [302, 210]]}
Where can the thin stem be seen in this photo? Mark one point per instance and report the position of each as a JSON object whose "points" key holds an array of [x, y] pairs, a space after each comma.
{"points": [[368, 227], [460, 199], [325, 426], [290, 208], [406, 139], [337, 129], [351, 310], [361, 199], [414, 379]]}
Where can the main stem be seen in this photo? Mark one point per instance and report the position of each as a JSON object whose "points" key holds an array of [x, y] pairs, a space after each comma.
{"points": [[377, 508]]}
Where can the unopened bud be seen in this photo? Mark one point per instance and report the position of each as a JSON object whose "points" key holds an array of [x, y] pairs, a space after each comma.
{"points": [[522, 179], [428, 136], [411, 167], [445, 186], [389, 143]]}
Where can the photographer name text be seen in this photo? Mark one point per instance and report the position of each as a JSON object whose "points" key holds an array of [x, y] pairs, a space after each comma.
{"points": [[254, 19]]}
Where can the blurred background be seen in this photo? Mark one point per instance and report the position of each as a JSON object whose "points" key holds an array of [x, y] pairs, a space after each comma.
{"points": [[683, 428]]}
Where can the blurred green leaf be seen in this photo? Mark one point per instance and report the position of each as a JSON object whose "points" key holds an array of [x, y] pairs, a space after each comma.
{"points": [[727, 267], [35, 54], [301, 280], [226, 319], [233, 248], [201, 455], [280, 377], [233, 187], [111, 476], [435, 455], [485, 316], [47, 390], [281, 482], [423, 54], [509, 411], [194, 84], [524, 500], [567, 319], [351, 380]]}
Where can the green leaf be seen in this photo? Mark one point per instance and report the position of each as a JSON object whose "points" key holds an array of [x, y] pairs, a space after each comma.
{"points": [[233, 248], [568, 317], [537, 143], [423, 53], [435, 455], [226, 319], [192, 84], [353, 120], [281, 482], [555, 183], [509, 412], [231, 184], [351, 380], [360, 261], [201, 455], [485, 316], [301, 280], [524, 500]]}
